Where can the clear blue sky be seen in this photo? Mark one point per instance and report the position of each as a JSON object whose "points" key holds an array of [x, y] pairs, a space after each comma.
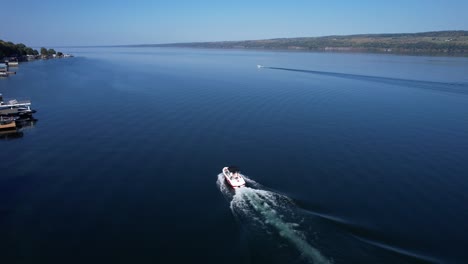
{"points": [[111, 22]]}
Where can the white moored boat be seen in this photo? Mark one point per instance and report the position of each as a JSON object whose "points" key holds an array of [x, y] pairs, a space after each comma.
{"points": [[15, 108], [233, 177]]}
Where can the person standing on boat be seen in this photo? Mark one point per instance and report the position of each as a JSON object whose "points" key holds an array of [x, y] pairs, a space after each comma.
{"points": [[234, 171]]}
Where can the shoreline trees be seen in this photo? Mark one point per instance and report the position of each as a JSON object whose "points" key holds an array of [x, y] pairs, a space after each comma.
{"points": [[9, 49], [20, 51]]}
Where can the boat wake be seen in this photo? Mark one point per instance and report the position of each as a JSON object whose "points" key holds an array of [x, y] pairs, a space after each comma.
{"points": [[459, 88], [272, 213]]}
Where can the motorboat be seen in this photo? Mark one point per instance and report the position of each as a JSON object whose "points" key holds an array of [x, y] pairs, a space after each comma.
{"points": [[13, 126], [13, 63], [233, 177], [8, 110], [15, 108], [7, 123]]}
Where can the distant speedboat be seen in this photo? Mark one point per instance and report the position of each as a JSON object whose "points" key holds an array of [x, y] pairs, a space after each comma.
{"points": [[260, 66], [233, 177]]}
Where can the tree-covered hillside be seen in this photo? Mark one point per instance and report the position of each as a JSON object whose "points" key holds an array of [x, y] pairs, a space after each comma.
{"points": [[431, 43]]}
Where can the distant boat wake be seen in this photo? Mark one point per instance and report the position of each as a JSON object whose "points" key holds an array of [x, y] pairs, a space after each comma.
{"points": [[460, 88], [269, 210]]}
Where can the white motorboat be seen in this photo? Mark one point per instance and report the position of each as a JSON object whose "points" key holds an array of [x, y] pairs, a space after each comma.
{"points": [[15, 108], [233, 177]]}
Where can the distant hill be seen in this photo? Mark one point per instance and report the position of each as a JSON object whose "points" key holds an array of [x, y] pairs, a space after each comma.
{"points": [[431, 43]]}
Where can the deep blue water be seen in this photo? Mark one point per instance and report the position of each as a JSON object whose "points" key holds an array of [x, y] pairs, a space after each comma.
{"points": [[351, 158]]}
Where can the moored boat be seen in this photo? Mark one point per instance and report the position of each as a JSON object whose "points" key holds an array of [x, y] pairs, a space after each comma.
{"points": [[7, 123], [15, 108], [13, 63]]}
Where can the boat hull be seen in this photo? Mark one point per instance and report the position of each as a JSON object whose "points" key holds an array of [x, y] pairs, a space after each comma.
{"points": [[8, 125], [235, 180]]}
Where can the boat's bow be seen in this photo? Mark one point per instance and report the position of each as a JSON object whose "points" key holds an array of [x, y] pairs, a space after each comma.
{"points": [[233, 177]]}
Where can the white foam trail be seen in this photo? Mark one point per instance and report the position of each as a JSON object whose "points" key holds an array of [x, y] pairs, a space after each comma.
{"points": [[262, 206], [225, 190]]}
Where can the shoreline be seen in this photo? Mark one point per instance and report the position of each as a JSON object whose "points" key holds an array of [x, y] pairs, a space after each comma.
{"points": [[14, 62], [416, 54], [452, 43]]}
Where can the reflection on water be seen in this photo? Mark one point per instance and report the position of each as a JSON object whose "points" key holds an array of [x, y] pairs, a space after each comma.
{"points": [[10, 134], [26, 123]]}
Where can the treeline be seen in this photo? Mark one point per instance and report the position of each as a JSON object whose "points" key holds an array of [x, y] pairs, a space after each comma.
{"points": [[8, 49], [50, 52], [431, 43]]}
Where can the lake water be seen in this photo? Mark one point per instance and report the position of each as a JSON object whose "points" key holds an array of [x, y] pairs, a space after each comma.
{"points": [[350, 158]]}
